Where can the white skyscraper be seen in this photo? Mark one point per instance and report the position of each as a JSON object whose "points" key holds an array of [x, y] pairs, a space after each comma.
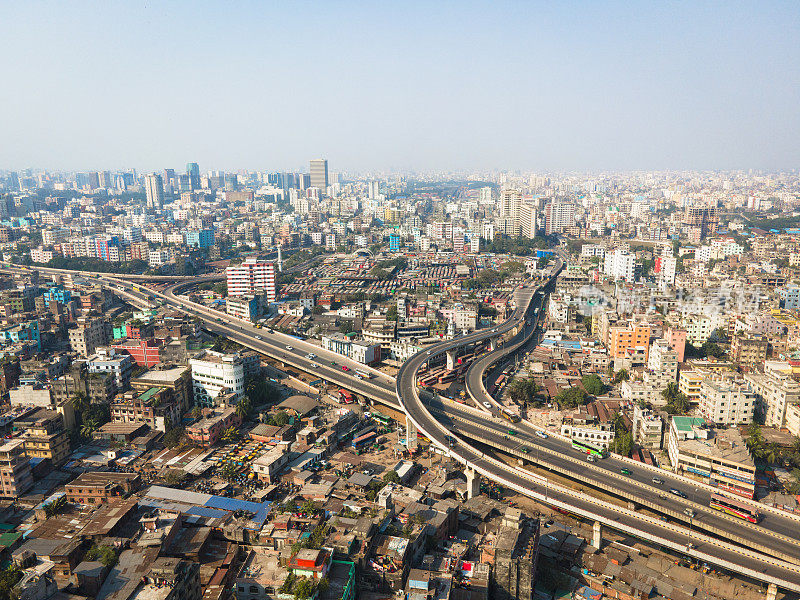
{"points": [[154, 189]]}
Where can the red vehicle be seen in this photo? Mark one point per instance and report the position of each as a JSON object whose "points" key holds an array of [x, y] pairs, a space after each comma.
{"points": [[345, 397], [345, 368]]}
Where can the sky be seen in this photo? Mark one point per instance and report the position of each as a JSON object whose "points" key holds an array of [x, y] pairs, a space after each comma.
{"points": [[400, 85]]}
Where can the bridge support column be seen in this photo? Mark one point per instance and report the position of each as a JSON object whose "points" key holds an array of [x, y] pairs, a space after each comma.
{"points": [[411, 435], [772, 592], [492, 344], [597, 534], [451, 359], [631, 505], [473, 483]]}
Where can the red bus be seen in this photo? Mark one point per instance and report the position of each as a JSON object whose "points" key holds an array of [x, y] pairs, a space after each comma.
{"points": [[735, 508], [345, 397]]}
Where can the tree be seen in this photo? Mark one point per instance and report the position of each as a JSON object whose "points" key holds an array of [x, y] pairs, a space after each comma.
{"points": [[53, 508], [391, 313], [243, 408], [196, 412], [523, 391], [231, 434], [103, 553], [593, 384], [621, 375], [281, 418], [173, 437], [9, 578], [391, 477], [677, 402], [79, 402], [88, 428], [571, 397]]}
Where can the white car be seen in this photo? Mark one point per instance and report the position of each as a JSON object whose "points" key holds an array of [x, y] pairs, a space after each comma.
{"points": [[311, 356], [289, 348], [487, 405], [542, 434], [258, 337]]}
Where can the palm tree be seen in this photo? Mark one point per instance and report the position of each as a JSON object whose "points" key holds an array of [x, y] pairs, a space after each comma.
{"points": [[88, 428], [79, 401], [243, 408]]}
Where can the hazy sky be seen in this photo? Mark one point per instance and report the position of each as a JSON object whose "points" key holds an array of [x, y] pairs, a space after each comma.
{"points": [[400, 84]]}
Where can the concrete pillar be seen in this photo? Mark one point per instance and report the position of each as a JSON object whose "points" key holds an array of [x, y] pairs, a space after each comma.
{"points": [[772, 591], [411, 435], [597, 534], [451, 359], [492, 344], [631, 505], [473, 483]]}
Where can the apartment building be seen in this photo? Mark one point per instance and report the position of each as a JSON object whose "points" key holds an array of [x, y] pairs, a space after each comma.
{"points": [[155, 407], [215, 374], [108, 360], [15, 469], [101, 487], [47, 438], [689, 384], [622, 338], [719, 457], [726, 401], [648, 428], [89, 333], [252, 277], [209, 430], [776, 392], [749, 350], [662, 365]]}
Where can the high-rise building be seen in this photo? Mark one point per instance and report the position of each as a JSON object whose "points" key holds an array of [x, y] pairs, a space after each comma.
{"points": [[508, 212], [700, 222], [154, 189], [558, 216], [215, 373], [193, 171], [374, 190], [319, 174], [253, 276], [527, 220]]}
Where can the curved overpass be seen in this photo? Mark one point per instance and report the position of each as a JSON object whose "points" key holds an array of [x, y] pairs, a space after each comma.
{"points": [[449, 433]]}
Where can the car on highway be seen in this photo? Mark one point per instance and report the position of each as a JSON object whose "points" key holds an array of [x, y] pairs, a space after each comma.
{"points": [[345, 368], [512, 432], [428, 352], [525, 449], [591, 458], [689, 513], [289, 347], [658, 480], [677, 493], [542, 434], [625, 471], [487, 405], [311, 356], [258, 337]]}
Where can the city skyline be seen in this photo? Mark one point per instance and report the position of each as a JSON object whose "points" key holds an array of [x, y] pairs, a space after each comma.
{"points": [[515, 86]]}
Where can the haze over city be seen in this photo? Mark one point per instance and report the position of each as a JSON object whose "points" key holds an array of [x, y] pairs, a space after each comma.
{"points": [[396, 86]]}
